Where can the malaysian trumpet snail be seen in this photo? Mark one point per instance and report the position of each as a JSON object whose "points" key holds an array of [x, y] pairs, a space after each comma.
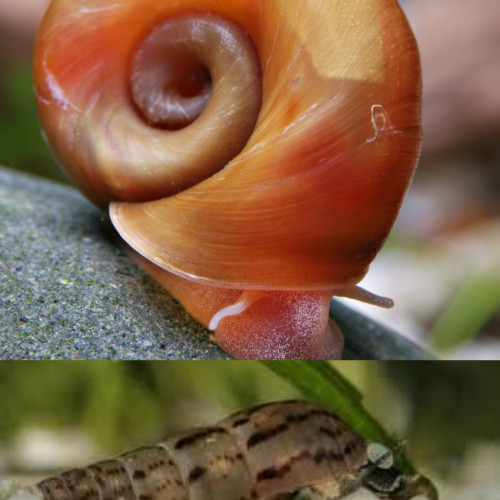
{"points": [[253, 153], [267, 452]]}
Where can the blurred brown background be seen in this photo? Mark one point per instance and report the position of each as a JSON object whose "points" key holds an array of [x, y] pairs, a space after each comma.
{"points": [[441, 264]]}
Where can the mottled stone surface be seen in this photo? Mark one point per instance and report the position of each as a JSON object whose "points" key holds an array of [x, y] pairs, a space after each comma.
{"points": [[67, 291]]}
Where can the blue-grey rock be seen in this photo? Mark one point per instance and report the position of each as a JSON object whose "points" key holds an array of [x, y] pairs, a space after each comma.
{"points": [[68, 291], [366, 339]]}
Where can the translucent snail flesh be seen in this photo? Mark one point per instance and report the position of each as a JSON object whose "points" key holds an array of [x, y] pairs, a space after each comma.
{"points": [[260, 453], [254, 154]]}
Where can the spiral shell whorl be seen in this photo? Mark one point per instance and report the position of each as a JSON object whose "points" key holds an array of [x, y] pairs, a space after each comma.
{"points": [[216, 54], [94, 106]]}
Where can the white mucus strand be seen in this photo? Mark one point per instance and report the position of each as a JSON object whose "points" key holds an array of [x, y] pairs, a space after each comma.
{"points": [[247, 298]]}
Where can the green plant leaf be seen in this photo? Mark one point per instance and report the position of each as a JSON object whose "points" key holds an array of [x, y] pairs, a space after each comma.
{"points": [[319, 381], [473, 305]]}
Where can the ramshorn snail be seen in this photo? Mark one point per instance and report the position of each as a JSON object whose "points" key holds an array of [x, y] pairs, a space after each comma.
{"points": [[254, 153]]}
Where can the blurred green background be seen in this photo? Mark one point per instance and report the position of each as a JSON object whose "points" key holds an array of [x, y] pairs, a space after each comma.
{"points": [[443, 413], [441, 263], [21, 143]]}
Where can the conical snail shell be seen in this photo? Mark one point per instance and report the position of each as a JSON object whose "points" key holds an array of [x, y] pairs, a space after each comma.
{"points": [[261, 453], [305, 195]]}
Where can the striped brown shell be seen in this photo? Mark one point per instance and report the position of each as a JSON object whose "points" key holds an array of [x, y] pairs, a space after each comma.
{"points": [[259, 453]]}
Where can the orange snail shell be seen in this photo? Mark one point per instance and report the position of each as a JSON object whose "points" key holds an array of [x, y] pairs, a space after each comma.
{"points": [[252, 234]]}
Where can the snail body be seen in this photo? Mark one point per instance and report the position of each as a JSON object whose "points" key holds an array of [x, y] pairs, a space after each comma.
{"points": [[259, 170], [260, 453]]}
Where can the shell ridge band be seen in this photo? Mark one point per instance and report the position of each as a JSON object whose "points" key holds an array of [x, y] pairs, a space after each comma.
{"points": [[253, 154]]}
